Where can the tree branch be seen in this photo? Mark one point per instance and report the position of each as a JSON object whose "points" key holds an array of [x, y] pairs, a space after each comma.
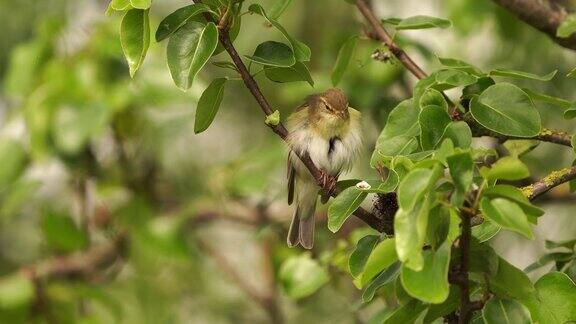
{"points": [[463, 282], [552, 180], [544, 15], [279, 129], [383, 36]]}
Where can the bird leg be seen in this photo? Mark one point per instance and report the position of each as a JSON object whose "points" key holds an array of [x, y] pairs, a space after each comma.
{"points": [[328, 182]]}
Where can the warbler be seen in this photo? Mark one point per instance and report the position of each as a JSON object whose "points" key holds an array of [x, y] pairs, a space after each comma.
{"points": [[329, 131]]}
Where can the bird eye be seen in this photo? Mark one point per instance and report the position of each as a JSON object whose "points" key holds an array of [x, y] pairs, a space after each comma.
{"points": [[328, 107]]}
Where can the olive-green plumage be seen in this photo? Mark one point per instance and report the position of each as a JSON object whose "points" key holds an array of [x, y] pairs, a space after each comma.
{"points": [[329, 131]]}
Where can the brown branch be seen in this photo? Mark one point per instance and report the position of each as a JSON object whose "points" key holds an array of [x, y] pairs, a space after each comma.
{"points": [[552, 180], [383, 36], [279, 129], [544, 15]]}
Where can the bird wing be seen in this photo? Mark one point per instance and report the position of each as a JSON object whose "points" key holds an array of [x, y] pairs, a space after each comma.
{"points": [[291, 172]]}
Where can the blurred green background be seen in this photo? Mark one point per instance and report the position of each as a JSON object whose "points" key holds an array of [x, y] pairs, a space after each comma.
{"points": [[90, 157]]}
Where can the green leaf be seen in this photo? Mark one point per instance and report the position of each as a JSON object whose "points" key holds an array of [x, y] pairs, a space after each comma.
{"points": [[62, 234], [343, 206], [226, 65], [507, 214], [522, 74], [430, 284], [16, 291], [477, 88], [360, 255], [432, 97], [572, 73], [343, 60], [459, 133], [570, 113], [301, 51], [536, 96], [380, 187], [135, 37], [384, 278], [399, 134], [568, 244], [511, 282], [419, 22], [518, 148], [189, 49], [301, 276], [410, 230], [433, 121], [505, 311], [460, 65], [179, 18], [297, 72], [455, 78], [462, 172], [514, 194], [413, 187], [548, 258], [382, 256], [567, 27], [485, 231], [556, 299], [407, 313], [438, 226], [278, 8], [141, 4], [209, 104], [506, 109], [273, 54], [120, 4], [508, 168]]}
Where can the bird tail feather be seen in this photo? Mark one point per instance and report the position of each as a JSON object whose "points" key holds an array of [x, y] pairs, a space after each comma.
{"points": [[302, 226]]}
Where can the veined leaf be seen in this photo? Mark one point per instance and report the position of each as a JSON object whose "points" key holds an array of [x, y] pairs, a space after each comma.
{"points": [[273, 54], [507, 214], [433, 121], [179, 18], [506, 109], [505, 311], [294, 73], [189, 49], [135, 37], [343, 206]]}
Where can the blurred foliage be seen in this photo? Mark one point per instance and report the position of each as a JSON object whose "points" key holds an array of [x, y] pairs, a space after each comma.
{"points": [[89, 154]]}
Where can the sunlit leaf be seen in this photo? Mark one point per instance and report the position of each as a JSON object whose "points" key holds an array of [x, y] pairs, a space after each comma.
{"points": [[343, 206], [382, 256], [567, 27], [135, 37], [431, 283], [508, 168], [508, 215], [179, 18], [189, 49]]}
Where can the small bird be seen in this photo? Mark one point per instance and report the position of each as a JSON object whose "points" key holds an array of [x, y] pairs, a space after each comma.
{"points": [[329, 131]]}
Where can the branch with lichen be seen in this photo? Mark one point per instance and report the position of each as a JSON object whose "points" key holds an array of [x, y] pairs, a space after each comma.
{"points": [[550, 181]]}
